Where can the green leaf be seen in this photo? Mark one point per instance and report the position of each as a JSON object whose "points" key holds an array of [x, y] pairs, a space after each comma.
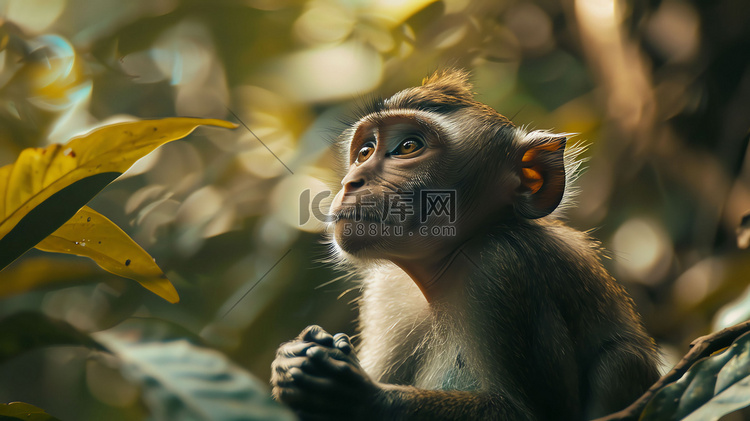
{"points": [[701, 388], [23, 411], [663, 405], [92, 235], [713, 387], [181, 381], [79, 169], [732, 399], [732, 384], [737, 368], [25, 331]]}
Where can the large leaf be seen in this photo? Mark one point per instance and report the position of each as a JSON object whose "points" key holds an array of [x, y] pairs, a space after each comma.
{"points": [[181, 381], [713, 387], [92, 235], [25, 331], [46, 186], [732, 384], [23, 411]]}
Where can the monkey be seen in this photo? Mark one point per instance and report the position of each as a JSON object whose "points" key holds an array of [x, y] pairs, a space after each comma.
{"points": [[487, 307]]}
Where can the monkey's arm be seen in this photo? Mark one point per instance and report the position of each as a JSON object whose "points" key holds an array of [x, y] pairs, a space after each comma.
{"points": [[320, 377], [410, 403]]}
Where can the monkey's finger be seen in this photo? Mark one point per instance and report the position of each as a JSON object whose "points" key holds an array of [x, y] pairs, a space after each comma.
{"points": [[317, 398], [281, 366], [317, 385], [317, 334], [322, 388], [342, 369], [342, 342], [293, 349], [282, 380], [317, 353]]}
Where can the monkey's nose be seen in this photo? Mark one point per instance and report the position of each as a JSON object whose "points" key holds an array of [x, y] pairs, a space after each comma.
{"points": [[352, 185]]}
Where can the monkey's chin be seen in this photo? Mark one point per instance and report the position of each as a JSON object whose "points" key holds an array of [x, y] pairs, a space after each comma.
{"points": [[362, 238]]}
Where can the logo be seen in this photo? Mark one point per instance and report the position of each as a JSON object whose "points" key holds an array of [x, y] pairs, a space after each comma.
{"points": [[394, 208], [438, 203]]}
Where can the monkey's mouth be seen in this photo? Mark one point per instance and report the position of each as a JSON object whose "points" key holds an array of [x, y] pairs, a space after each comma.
{"points": [[358, 214]]}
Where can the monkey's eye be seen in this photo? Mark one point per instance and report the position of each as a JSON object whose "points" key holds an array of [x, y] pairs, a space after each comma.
{"points": [[408, 146], [365, 152]]}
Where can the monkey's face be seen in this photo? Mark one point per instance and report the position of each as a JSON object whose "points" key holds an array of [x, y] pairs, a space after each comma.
{"points": [[398, 198], [430, 167]]}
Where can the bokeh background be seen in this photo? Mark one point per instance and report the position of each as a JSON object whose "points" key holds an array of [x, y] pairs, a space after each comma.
{"points": [[659, 90]]}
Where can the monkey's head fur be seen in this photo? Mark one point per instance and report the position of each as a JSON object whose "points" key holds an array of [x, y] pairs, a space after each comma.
{"points": [[431, 167]]}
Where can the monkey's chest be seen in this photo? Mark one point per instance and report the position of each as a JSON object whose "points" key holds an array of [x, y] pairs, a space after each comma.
{"points": [[406, 341], [433, 362], [457, 376], [443, 369]]}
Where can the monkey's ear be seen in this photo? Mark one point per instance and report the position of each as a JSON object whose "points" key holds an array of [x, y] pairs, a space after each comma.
{"points": [[542, 174]]}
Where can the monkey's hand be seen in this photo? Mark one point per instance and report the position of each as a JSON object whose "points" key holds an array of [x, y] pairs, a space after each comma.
{"points": [[319, 376]]}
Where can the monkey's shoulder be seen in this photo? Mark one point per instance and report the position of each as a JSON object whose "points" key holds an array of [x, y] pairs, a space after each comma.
{"points": [[542, 248], [548, 264]]}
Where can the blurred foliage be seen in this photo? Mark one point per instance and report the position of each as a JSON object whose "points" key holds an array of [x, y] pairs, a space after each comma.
{"points": [[178, 380], [658, 89], [181, 381], [28, 330]]}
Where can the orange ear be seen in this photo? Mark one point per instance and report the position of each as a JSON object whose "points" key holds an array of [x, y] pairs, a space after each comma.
{"points": [[542, 176]]}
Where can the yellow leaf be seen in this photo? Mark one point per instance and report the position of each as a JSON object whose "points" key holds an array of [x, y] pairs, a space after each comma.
{"points": [[46, 186], [92, 235], [46, 272]]}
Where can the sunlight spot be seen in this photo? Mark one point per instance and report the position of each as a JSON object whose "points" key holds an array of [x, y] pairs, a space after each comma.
{"points": [[325, 74], [642, 250], [34, 15]]}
